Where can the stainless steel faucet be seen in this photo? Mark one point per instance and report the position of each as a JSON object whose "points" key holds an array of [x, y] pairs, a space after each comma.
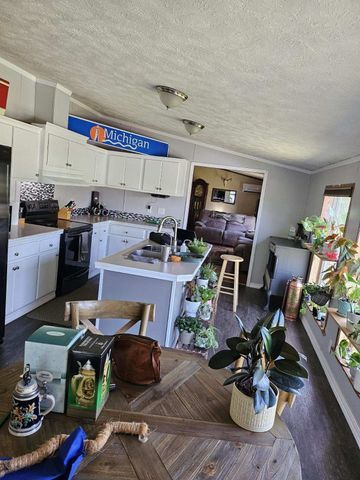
{"points": [[174, 239]]}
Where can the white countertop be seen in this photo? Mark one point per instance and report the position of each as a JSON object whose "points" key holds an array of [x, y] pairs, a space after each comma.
{"points": [[27, 230], [172, 271]]}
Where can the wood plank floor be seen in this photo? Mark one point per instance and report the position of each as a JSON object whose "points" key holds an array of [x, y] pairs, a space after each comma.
{"points": [[326, 446]]}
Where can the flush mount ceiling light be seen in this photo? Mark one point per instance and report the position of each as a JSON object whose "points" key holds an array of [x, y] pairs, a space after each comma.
{"points": [[171, 97], [192, 127]]}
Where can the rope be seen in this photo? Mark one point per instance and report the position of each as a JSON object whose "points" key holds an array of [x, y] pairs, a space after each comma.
{"points": [[91, 446]]}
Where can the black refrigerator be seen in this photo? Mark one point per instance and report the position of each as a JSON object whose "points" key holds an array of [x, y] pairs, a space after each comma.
{"points": [[5, 161]]}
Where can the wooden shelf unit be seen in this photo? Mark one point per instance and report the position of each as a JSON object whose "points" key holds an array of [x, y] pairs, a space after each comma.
{"points": [[340, 336], [341, 321]]}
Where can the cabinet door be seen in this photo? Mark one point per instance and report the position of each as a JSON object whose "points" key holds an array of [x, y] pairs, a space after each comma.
{"points": [[102, 245], [117, 243], [6, 133], [152, 176], [58, 151], [94, 249], [116, 171], [25, 154], [82, 160], [47, 276], [134, 167], [169, 178], [25, 281], [100, 168], [10, 288]]}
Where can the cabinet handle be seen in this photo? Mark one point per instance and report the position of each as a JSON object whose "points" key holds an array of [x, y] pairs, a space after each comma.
{"points": [[16, 254], [37, 175], [68, 164], [15, 268], [51, 245], [100, 240]]}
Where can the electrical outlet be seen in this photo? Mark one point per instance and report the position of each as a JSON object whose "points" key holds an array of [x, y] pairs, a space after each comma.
{"points": [[148, 208], [161, 211]]}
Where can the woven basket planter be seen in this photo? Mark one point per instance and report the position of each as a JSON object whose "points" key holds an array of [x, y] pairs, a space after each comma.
{"points": [[243, 414]]}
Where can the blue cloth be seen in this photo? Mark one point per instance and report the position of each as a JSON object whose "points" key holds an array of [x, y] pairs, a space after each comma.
{"points": [[61, 466]]}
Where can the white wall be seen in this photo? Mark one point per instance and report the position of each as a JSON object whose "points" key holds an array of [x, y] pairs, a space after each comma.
{"points": [[343, 174]]}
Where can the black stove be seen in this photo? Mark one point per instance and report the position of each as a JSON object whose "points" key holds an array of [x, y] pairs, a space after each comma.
{"points": [[75, 242]]}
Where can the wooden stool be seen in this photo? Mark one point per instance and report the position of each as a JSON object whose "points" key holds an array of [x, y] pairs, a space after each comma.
{"points": [[231, 276]]}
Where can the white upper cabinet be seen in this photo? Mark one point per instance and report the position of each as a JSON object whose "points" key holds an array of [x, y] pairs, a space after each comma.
{"points": [[25, 154], [81, 160], [165, 176], [6, 132], [99, 177], [125, 171], [57, 152]]}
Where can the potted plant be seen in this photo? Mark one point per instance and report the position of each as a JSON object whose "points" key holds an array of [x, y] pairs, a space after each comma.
{"points": [[269, 363], [319, 294], [318, 228], [205, 311], [192, 301], [206, 294], [206, 338], [197, 246], [188, 326], [205, 275], [337, 276], [351, 360], [353, 295]]}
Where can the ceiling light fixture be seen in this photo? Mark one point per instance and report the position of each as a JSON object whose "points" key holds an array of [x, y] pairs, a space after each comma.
{"points": [[193, 127], [171, 97]]}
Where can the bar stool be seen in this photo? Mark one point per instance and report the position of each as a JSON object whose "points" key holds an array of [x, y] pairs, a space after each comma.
{"points": [[234, 290]]}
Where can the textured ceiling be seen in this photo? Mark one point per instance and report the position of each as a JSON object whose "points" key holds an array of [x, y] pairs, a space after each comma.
{"points": [[275, 79]]}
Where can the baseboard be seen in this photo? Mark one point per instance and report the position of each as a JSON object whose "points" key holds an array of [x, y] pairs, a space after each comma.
{"points": [[255, 285], [31, 306], [350, 418]]}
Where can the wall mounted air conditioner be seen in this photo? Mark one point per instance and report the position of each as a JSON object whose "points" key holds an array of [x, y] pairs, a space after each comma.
{"points": [[251, 188]]}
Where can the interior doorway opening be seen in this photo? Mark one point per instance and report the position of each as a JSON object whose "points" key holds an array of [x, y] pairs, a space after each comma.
{"points": [[223, 209]]}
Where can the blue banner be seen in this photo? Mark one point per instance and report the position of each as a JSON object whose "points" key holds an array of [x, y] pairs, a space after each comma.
{"points": [[115, 137]]}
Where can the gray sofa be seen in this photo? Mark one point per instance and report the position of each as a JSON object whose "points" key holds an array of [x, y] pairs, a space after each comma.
{"points": [[233, 232]]}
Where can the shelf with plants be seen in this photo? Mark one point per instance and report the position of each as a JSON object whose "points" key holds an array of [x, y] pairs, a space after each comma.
{"points": [[196, 322], [348, 357], [348, 333], [315, 300]]}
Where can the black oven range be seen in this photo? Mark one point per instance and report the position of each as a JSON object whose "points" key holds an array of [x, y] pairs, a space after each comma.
{"points": [[75, 243]]}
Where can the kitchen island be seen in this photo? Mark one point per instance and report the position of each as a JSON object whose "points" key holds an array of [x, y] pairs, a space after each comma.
{"points": [[162, 284]]}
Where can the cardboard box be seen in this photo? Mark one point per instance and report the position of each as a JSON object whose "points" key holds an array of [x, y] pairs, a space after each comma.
{"points": [[46, 350], [89, 375]]}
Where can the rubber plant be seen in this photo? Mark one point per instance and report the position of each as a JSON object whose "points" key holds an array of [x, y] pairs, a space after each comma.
{"points": [[268, 359]]}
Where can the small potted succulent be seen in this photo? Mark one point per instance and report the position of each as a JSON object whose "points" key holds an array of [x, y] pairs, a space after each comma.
{"points": [[206, 274], [207, 294], [188, 327], [205, 311], [192, 301], [206, 338], [269, 364], [197, 246]]}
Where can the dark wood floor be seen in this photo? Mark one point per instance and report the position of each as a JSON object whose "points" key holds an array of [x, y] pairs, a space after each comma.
{"points": [[325, 443]]}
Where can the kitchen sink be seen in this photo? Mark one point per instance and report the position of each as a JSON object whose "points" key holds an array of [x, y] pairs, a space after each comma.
{"points": [[147, 252]]}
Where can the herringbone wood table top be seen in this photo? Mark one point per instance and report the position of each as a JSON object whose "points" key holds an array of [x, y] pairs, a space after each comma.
{"points": [[192, 435]]}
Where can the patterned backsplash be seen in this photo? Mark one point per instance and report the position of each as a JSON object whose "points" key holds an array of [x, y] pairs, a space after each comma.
{"points": [[36, 191], [132, 217]]}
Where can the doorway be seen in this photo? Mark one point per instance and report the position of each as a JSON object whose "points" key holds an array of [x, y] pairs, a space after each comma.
{"points": [[223, 209]]}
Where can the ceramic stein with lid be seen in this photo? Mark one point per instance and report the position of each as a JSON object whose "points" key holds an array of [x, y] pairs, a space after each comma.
{"points": [[26, 415]]}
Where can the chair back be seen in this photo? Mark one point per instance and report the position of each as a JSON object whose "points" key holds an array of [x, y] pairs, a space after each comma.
{"points": [[82, 312]]}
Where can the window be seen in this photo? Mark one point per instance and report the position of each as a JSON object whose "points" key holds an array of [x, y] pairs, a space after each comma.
{"points": [[336, 204]]}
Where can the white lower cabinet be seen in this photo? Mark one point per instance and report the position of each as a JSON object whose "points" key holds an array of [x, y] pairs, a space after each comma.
{"points": [[47, 274], [31, 274], [98, 247], [116, 243]]}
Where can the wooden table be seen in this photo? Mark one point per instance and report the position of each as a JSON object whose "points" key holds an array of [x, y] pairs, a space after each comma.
{"points": [[192, 435]]}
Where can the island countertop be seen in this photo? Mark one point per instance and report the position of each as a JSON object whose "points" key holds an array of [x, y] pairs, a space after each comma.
{"points": [[171, 271]]}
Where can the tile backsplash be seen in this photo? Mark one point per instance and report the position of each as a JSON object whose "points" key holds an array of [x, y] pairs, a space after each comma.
{"points": [[36, 191]]}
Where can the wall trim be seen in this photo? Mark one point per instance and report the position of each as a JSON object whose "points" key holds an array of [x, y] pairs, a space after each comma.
{"points": [[188, 140], [17, 69], [334, 386]]}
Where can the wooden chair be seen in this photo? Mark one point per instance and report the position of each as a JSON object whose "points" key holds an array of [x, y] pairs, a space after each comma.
{"points": [[83, 311]]}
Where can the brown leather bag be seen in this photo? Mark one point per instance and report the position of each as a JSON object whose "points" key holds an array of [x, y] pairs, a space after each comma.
{"points": [[136, 359]]}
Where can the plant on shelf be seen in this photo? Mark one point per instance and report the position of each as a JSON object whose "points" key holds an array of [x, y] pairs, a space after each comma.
{"points": [[264, 362], [207, 274], [193, 300], [353, 295], [205, 338], [197, 246], [205, 311], [188, 327], [206, 294], [340, 277], [351, 360], [318, 228]]}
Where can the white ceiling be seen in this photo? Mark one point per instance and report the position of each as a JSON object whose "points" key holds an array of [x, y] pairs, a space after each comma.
{"points": [[274, 79]]}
